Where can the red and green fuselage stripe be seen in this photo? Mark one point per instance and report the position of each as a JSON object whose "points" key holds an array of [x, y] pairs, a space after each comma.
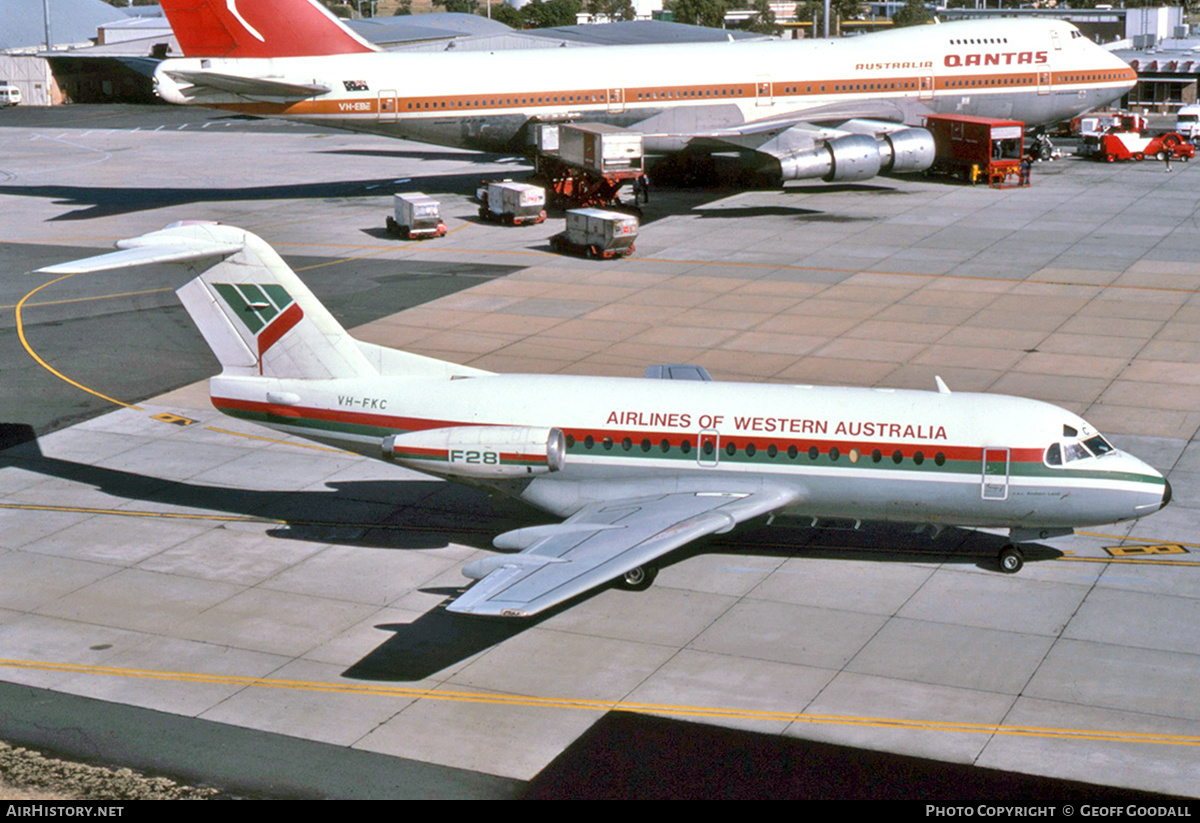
{"points": [[610, 444]]}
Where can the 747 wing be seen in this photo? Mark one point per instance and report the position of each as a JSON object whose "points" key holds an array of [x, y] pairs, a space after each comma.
{"points": [[599, 543]]}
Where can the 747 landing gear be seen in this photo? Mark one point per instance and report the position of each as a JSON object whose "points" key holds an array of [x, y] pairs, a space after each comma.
{"points": [[1011, 559], [637, 579]]}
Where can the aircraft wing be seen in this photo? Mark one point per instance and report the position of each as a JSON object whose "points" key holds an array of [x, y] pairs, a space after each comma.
{"points": [[762, 134], [602, 542], [828, 144], [249, 86]]}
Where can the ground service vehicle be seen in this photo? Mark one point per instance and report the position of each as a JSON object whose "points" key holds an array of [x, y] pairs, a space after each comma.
{"points": [[9, 95], [513, 203], [586, 164], [1097, 124], [1187, 122], [597, 233], [416, 217], [1128, 145], [977, 148]]}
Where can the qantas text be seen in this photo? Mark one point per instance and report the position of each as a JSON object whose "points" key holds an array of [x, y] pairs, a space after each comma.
{"points": [[1001, 58]]}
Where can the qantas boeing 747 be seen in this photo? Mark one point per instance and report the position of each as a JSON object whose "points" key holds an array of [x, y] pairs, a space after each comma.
{"points": [[637, 467], [843, 110]]}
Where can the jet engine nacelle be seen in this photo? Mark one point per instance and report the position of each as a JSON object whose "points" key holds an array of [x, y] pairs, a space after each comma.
{"points": [[485, 452], [853, 157], [906, 150]]}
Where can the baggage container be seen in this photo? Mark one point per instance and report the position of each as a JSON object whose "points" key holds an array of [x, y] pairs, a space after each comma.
{"points": [[597, 233], [513, 203], [599, 147], [416, 216]]}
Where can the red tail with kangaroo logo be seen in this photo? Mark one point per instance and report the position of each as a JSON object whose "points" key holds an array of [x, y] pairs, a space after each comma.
{"points": [[259, 28]]}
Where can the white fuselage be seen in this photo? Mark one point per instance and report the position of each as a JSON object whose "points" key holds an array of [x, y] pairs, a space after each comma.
{"points": [[1037, 71], [870, 454]]}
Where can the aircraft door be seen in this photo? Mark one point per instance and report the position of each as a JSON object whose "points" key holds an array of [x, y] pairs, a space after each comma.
{"points": [[616, 101], [708, 448], [763, 94], [995, 474], [925, 87], [1044, 81], [387, 106]]}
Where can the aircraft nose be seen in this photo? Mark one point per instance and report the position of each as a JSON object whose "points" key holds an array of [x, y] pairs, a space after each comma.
{"points": [[1166, 494]]}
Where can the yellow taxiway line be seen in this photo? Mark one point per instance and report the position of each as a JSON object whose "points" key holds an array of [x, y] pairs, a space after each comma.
{"points": [[710, 712], [25, 301], [43, 363]]}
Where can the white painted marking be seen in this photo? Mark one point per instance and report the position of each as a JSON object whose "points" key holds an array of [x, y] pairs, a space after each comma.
{"points": [[232, 6]]}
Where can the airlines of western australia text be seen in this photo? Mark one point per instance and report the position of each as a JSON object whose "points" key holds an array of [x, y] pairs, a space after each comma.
{"points": [[776, 425]]}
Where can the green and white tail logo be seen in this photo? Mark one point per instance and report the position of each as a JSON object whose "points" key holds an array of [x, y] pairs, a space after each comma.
{"points": [[265, 311]]}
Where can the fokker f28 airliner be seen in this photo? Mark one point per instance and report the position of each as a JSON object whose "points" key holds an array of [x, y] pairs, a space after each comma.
{"points": [[832, 109], [637, 467]]}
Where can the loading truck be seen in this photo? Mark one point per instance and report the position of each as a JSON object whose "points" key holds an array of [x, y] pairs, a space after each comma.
{"points": [[586, 164], [515, 204], [597, 233], [416, 216], [977, 148]]}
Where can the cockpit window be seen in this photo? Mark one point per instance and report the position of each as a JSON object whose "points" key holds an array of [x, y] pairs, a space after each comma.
{"points": [[1068, 451], [1075, 451]]}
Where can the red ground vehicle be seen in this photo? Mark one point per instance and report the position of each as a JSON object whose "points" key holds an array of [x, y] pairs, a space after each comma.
{"points": [[1097, 124], [977, 148], [586, 164], [1129, 145]]}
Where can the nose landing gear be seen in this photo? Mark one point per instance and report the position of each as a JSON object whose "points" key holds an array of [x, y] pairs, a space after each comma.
{"points": [[1011, 559]]}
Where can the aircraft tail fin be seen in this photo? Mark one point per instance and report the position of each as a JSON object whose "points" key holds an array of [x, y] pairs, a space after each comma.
{"points": [[260, 28], [256, 315]]}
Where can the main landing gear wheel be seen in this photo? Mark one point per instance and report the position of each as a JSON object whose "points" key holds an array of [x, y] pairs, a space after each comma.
{"points": [[637, 579], [1011, 560]]}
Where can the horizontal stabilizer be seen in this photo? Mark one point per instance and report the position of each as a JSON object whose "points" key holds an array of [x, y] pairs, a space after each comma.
{"points": [[254, 312], [251, 86], [165, 249]]}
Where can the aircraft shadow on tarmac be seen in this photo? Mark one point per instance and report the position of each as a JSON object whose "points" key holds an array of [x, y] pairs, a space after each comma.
{"points": [[431, 154], [101, 201], [803, 215], [408, 514], [427, 514], [90, 202], [439, 639]]}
